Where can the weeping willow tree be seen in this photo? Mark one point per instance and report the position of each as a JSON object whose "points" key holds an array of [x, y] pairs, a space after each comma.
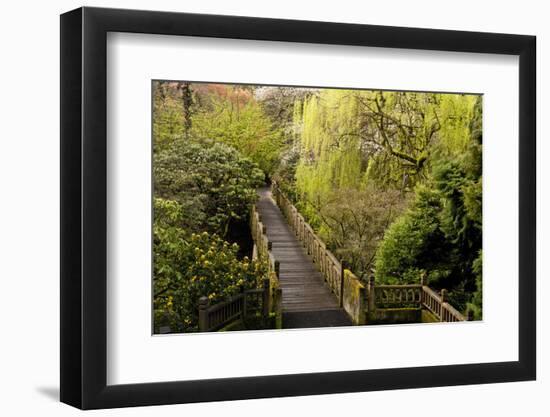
{"points": [[330, 148], [352, 137], [379, 144]]}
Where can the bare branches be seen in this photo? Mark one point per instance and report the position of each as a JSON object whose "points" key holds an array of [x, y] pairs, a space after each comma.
{"points": [[399, 126], [354, 222]]}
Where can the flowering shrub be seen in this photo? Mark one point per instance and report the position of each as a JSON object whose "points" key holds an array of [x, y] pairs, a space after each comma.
{"points": [[213, 184], [188, 266]]}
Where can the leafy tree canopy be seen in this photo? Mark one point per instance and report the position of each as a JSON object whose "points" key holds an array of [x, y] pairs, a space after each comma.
{"points": [[212, 182]]}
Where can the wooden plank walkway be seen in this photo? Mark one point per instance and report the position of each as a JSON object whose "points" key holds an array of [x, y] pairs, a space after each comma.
{"points": [[304, 290]]}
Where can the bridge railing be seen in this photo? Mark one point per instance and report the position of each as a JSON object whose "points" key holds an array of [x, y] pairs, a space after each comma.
{"points": [[262, 244], [397, 295], [343, 283], [263, 250], [420, 296], [437, 304], [238, 307]]}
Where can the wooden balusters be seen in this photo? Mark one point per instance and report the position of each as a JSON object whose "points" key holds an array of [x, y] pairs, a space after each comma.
{"points": [[204, 303], [266, 298], [214, 317], [439, 306]]}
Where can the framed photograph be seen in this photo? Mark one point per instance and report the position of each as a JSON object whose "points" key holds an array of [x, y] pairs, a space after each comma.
{"points": [[257, 208]]}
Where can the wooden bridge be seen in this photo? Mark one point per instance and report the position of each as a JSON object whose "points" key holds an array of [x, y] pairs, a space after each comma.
{"points": [[308, 287], [307, 300]]}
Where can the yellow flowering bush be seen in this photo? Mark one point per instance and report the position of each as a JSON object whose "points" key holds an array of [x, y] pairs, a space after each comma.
{"points": [[188, 266]]}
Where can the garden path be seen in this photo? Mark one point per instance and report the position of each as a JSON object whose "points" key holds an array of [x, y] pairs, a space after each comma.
{"points": [[307, 300]]}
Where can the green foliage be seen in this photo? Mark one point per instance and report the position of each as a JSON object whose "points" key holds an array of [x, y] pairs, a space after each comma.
{"points": [[239, 121], [188, 266], [330, 151], [414, 243], [286, 171], [352, 137], [456, 112], [435, 235], [213, 184], [476, 302], [441, 231], [168, 118]]}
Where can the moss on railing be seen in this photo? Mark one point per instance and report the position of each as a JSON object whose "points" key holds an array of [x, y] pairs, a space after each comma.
{"points": [[354, 298]]}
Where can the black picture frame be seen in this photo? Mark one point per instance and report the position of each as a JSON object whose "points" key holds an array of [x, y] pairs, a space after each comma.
{"points": [[84, 207]]}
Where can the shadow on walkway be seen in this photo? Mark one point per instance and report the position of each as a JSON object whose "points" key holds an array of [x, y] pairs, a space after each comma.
{"points": [[312, 319]]}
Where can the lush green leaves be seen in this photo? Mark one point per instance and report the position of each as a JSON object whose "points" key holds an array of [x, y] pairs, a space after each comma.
{"points": [[239, 121], [441, 232], [476, 301], [414, 243], [213, 184], [168, 117]]}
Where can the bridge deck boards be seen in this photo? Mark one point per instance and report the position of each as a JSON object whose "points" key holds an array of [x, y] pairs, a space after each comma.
{"points": [[303, 287]]}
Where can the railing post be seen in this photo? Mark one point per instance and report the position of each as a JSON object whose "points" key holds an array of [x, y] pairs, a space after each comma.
{"points": [[277, 268], [362, 319], [444, 297], [342, 275], [243, 312], [423, 283], [265, 294], [371, 305], [278, 308], [204, 303]]}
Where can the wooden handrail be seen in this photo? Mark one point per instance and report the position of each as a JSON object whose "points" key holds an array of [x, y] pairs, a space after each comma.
{"points": [[215, 317], [437, 304], [262, 243], [223, 304], [451, 314], [263, 247], [236, 307], [398, 286]]}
